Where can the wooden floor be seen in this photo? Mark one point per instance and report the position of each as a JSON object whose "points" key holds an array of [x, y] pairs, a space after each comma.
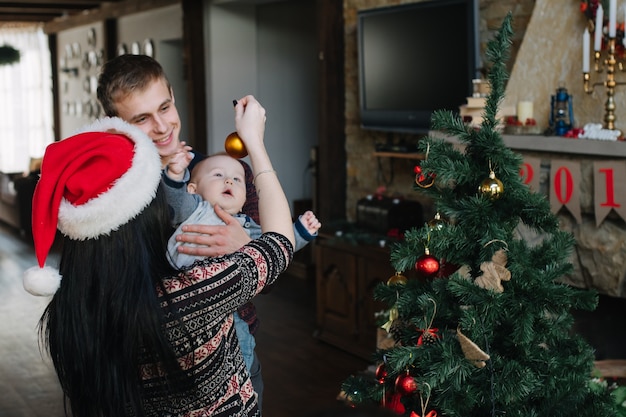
{"points": [[300, 373]]}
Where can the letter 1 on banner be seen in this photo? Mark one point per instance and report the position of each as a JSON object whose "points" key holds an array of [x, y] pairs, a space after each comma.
{"points": [[609, 189], [564, 187]]}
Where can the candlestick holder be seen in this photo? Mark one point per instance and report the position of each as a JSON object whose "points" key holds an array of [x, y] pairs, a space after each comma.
{"points": [[611, 64]]}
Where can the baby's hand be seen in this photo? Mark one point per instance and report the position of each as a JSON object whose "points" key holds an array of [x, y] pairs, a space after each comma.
{"points": [[179, 162], [310, 222]]}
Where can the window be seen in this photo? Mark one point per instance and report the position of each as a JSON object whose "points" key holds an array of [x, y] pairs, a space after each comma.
{"points": [[25, 98]]}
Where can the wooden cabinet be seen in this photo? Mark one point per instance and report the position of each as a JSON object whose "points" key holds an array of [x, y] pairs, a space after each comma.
{"points": [[346, 275]]}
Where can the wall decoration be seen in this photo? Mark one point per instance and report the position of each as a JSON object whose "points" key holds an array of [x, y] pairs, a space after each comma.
{"points": [[609, 190], [85, 61], [92, 58], [91, 37], [122, 49], [148, 48], [529, 171], [76, 50], [135, 48], [96, 108], [93, 84], [564, 192], [88, 108], [79, 108]]}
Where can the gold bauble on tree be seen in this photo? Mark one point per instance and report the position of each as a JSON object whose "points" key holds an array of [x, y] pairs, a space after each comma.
{"points": [[491, 187], [235, 147], [398, 278], [437, 223]]}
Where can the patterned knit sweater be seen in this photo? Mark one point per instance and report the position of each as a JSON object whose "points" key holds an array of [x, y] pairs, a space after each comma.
{"points": [[204, 298]]}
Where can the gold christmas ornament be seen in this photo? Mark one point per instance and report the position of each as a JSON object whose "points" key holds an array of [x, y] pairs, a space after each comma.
{"points": [[235, 147], [398, 278], [491, 187], [436, 223]]}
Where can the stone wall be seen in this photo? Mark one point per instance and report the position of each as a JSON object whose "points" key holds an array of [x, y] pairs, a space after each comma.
{"points": [[549, 56]]}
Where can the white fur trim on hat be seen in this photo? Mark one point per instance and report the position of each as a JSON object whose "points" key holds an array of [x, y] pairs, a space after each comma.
{"points": [[41, 281], [128, 196]]}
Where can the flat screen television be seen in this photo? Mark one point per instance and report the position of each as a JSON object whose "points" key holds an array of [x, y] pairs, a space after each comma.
{"points": [[414, 59]]}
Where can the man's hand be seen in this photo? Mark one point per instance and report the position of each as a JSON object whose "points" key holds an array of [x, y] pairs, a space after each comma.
{"points": [[215, 240]]}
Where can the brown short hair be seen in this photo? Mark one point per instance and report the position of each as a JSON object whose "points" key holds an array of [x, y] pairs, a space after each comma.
{"points": [[124, 74]]}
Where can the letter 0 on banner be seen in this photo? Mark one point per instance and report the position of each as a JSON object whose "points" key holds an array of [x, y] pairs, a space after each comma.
{"points": [[564, 190]]}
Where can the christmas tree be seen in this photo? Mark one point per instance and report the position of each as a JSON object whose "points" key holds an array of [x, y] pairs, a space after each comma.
{"points": [[486, 327]]}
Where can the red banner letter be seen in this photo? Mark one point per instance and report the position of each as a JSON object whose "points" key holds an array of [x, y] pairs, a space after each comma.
{"points": [[563, 174], [609, 188], [527, 173]]}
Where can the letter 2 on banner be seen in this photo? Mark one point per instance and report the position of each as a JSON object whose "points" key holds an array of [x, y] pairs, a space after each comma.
{"points": [[529, 171], [564, 190], [609, 187]]}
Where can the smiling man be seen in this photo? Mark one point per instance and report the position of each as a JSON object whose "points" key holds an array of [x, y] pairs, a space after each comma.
{"points": [[136, 89]]}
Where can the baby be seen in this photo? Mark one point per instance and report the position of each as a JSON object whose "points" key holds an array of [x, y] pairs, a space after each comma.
{"points": [[218, 180]]}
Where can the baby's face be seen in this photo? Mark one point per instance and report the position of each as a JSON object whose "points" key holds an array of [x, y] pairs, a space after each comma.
{"points": [[220, 180]]}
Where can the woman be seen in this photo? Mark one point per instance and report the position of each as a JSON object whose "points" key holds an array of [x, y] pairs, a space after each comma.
{"points": [[128, 335]]}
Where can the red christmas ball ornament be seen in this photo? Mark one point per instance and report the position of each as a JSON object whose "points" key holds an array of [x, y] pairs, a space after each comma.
{"points": [[406, 384], [381, 373], [392, 401], [427, 265], [235, 147]]}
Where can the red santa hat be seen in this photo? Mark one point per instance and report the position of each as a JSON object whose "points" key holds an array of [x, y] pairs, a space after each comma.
{"points": [[91, 184]]}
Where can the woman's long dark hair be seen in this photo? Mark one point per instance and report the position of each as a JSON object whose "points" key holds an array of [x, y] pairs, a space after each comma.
{"points": [[106, 314]]}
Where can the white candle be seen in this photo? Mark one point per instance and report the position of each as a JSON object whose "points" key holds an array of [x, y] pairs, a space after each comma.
{"points": [[612, 18], [524, 111], [597, 40], [586, 51]]}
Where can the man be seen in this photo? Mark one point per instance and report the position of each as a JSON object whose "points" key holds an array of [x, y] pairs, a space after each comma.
{"points": [[136, 89]]}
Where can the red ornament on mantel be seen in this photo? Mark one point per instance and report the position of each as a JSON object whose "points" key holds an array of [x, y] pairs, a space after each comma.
{"points": [[427, 265]]}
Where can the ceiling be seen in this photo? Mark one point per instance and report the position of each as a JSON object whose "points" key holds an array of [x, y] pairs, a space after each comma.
{"points": [[45, 10]]}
